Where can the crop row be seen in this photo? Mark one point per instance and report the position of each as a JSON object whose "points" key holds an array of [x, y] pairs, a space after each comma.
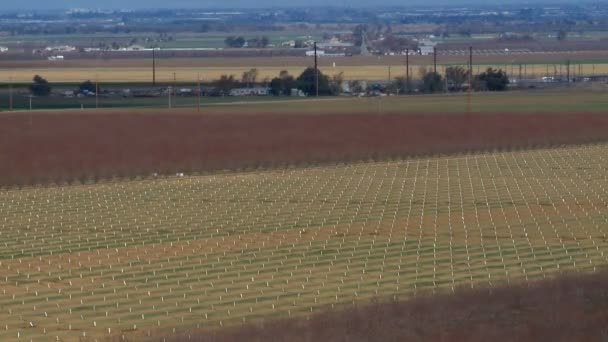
{"points": [[131, 257]]}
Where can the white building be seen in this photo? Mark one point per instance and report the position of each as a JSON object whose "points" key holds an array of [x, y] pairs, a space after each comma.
{"points": [[289, 43], [259, 91], [312, 53], [60, 48], [427, 47], [426, 50], [3, 49]]}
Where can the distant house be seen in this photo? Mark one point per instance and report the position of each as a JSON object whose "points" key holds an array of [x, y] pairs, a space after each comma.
{"points": [[312, 53], [427, 50], [259, 91], [334, 43], [427, 47], [297, 92], [60, 48], [55, 58], [289, 43], [3, 49], [185, 92], [133, 48]]}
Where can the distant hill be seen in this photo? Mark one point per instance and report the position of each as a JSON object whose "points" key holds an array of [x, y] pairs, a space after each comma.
{"points": [[137, 4]]}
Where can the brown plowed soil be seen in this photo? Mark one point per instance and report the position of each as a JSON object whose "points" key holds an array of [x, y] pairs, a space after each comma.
{"points": [[570, 308], [62, 146]]}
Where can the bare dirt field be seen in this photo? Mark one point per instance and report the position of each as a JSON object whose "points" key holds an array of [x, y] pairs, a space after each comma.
{"points": [[569, 308], [41, 147]]}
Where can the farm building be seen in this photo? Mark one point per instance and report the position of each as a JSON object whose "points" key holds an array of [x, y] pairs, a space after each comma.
{"points": [[312, 53], [426, 47], [259, 91], [335, 43], [60, 48], [426, 50], [289, 43], [3, 49]]}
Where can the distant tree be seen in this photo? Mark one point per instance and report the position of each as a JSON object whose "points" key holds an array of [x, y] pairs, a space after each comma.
{"points": [[398, 86], [456, 77], [562, 35], [432, 82], [336, 83], [234, 42], [265, 41], [298, 44], [511, 37], [225, 84], [307, 83], [40, 87], [283, 84], [358, 33], [392, 43], [87, 86], [356, 87], [275, 87], [253, 43], [250, 76], [205, 28], [491, 80], [258, 42]]}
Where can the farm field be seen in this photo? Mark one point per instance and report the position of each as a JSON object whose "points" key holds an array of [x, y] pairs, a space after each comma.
{"points": [[181, 40], [353, 68], [63, 146], [158, 254], [359, 73], [573, 301]]}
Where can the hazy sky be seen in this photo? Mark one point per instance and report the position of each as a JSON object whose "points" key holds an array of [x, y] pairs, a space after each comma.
{"points": [[127, 4]]}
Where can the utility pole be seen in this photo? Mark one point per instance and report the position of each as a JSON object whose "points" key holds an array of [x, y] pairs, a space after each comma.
{"points": [[199, 93], [96, 92], [407, 69], [10, 94], [470, 67], [568, 71], [435, 60], [316, 71], [445, 78], [153, 66], [470, 79]]}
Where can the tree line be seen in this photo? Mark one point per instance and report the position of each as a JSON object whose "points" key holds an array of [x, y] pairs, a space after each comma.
{"points": [[455, 79], [240, 42]]}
